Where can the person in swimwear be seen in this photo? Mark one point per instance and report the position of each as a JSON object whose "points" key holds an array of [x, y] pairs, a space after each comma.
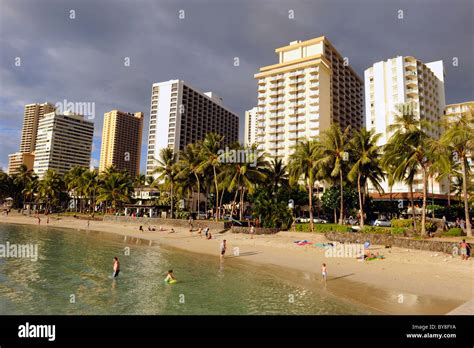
{"points": [[170, 276], [324, 272], [463, 246], [116, 267]]}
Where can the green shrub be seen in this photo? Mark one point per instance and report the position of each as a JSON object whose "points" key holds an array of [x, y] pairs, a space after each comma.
{"points": [[398, 230], [431, 227], [453, 232], [384, 230], [406, 223], [322, 228]]}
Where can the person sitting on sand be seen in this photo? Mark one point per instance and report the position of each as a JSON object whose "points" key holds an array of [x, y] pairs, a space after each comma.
{"points": [[140, 228], [170, 276], [172, 231], [153, 228]]}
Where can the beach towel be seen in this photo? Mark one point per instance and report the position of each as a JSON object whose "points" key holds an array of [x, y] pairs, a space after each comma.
{"points": [[302, 242], [323, 245]]}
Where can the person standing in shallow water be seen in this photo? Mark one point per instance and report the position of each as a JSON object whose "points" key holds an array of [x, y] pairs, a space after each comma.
{"points": [[116, 267]]}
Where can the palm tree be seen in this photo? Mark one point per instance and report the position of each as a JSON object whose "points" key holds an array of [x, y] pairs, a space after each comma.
{"points": [[459, 137], [409, 151], [333, 152], [190, 165], [50, 187], [30, 190], [277, 174], [74, 183], [210, 154], [149, 180], [244, 176], [21, 177], [303, 163], [367, 167], [139, 180], [115, 188], [167, 170], [90, 181]]}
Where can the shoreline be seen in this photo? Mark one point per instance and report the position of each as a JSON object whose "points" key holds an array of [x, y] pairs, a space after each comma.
{"points": [[405, 282]]}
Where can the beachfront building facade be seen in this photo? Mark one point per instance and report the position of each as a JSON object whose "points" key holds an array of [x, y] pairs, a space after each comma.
{"points": [[15, 160], [310, 88], [250, 129], [121, 141], [453, 112], [405, 81], [63, 142], [181, 115]]}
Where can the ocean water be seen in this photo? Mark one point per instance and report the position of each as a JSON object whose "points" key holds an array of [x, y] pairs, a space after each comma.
{"points": [[73, 275]]}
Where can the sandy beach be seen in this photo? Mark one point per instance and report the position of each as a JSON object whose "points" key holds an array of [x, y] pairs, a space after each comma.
{"points": [[405, 282]]}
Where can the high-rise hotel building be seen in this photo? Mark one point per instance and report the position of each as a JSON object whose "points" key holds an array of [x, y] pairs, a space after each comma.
{"points": [[309, 89], [63, 142], [250, 129], [32, 115], [181, 115], [121, 141], [466, 109], [15, 160], [405, 80]]}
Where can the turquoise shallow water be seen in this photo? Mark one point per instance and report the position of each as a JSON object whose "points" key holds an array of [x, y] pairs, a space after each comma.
{"points": [[79, 263]]}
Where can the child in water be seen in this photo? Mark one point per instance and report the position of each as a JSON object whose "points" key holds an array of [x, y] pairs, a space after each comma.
{"points": [[170, 276]]}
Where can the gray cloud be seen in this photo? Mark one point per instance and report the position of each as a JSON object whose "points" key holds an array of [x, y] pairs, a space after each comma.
{"points": [[81, 59]]}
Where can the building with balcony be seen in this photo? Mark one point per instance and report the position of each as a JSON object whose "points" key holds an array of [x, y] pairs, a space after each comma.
{"points": [[122, 141], [32, 114], [402, 81], [181, 115], [250, 132], [309, 89], [63, 142], [15, 160]]}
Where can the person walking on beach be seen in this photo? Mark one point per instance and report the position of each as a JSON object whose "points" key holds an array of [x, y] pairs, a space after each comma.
{"points": [[116, 267], [324, 273], [252, 231], [464, 249], [223, 248]]}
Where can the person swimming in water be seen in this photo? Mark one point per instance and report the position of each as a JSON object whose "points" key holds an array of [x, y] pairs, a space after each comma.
{"points": [[116, 267], [170, 276]]}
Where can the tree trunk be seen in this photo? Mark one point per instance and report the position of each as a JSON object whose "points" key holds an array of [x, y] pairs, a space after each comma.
{"points": [[172, 202], [361, 204], [341, 213], [423, 209], [220, 201], [449, 191], [335, 215], [310, 196], [242, 196], [412, 206], [217, 194], [199, 196], [466, 198]]}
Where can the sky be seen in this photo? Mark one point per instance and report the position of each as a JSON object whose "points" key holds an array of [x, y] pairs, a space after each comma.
{"points": [[76, 50]]}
